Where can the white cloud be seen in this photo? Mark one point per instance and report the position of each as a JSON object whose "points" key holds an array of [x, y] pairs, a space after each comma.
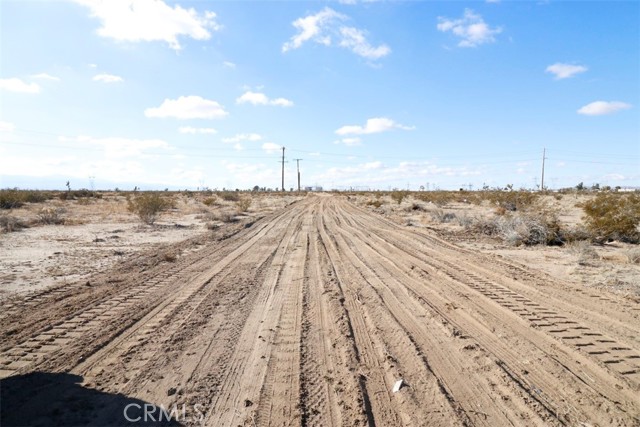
{"points": [[150, 20], [258, 98], [192, 130], [349, 141], [6, 127], [16, 85], [375, 125], [326, 25], [355, 40], [471, 28], [270, 147], [229, 64], [242, 137], [118, 147], [600, 108], [188, 107], [107, 78], [92, 65], [564, 71], [45, 76]]}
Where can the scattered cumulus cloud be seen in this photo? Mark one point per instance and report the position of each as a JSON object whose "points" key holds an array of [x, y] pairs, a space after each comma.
{"points": [[349, 141], [601, 108], [45, 76], [325, 27], [242, 137], [471, 29], [564, 71], [193, 131], [7, 127], [187, 107], [375, 125], [258, 98], [118, 147], [270, 147], [150, 20], [107, 78], [16, 85]]}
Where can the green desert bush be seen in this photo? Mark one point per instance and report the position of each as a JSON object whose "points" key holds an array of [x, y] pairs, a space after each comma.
{"points": [[13, 198], [148, 206], [610, 216]]}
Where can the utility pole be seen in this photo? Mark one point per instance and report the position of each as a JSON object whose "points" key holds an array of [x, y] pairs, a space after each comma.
{"points": [[543, 159], [282, 169], [298, 163]]}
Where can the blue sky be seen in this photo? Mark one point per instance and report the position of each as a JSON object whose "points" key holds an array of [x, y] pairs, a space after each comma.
{"points": [[369, 94]]}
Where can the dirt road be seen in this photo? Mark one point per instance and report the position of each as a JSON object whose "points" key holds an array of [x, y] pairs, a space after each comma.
{"points": [[309, 317]]}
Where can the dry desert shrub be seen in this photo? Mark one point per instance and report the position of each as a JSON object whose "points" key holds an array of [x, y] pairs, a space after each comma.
{"points": [[243, 203], [375, 203], [440, 215], [11, 198], [224, 216], [398, 196], [148, 206], [610, 216], [210, 201], [583, 250], [522, 228], [633, 255], [229, 196], [9, 224], [51, 216]]}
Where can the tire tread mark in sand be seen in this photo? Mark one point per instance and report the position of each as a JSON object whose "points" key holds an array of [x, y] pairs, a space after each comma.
{"points": [[245, 371], [140, 300], [374, 390], [435, 297], [618, 357]]}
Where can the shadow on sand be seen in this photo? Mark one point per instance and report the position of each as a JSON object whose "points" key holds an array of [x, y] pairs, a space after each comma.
{"points": [[58, 399]]}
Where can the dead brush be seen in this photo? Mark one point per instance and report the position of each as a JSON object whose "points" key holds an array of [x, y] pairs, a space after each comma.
{"points": [[244, 203], [9, 224], [583, 250], [51, 216], [375, 203], [633, 255], [439, 215], [148, 206]]}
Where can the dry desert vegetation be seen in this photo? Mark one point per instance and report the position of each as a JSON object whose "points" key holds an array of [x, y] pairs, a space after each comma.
{"points": [[346, 309]]}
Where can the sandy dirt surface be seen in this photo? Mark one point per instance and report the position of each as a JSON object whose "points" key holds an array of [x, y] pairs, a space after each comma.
{"points": [[310, 316]]}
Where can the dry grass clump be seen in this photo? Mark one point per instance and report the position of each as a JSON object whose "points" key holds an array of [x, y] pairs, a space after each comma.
{"points": [[527, 228], [438, 198], [148, 206], [583, 250], [440, 215], [610, 216], [633, 255], [224, 216], [229, 196], [243, 204], [9, 224], [210, 201], [51, 216]]}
